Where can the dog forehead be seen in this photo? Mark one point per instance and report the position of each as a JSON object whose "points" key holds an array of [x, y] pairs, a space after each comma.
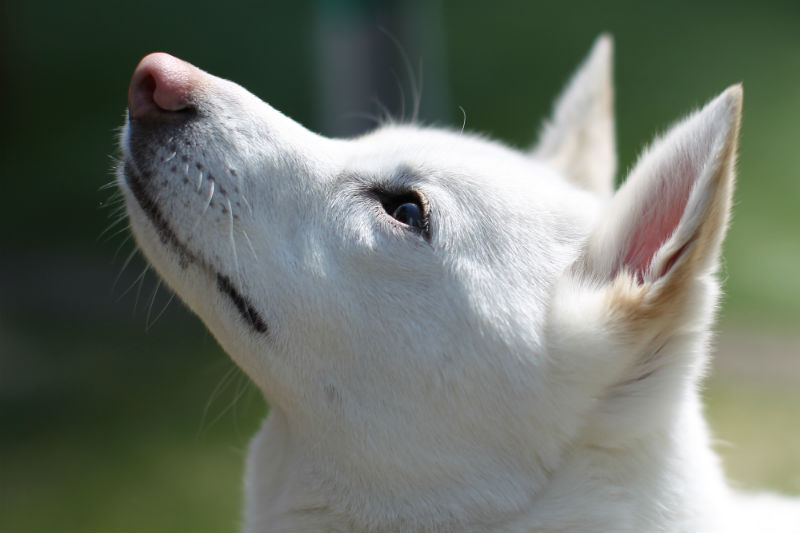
{"points": [[460, 162], [430, 144]]}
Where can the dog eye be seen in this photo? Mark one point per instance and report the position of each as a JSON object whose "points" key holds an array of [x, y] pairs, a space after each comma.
{"points": [[410, 214], [407, 207]]}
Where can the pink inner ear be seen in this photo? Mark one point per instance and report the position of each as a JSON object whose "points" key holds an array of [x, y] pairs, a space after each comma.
{"points": [[659, 216]]}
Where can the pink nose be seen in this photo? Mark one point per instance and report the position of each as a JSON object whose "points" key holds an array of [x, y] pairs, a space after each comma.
{"points": [[161, 84]]}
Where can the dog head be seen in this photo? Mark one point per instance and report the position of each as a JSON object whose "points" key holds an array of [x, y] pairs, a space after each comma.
{"points": [[427, 306]]}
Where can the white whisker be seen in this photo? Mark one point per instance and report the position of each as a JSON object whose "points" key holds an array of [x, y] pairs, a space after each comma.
{"points": [[210, 197], [233, 242], [464, 122], [119, 219], [415, 88], [237, 396], [211, 189], [138, 280], [402, 96], [249, 209], [369, 116], [417, 93], [118, 210], [125, 240], [388, 118], [163, 309], [123, 229], [220, 386], [147, 323], [250, 245], [124, 266]]}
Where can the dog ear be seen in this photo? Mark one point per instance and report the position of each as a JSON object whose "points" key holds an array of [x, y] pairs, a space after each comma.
{"points": [[625, 316], [579, 137], [667, 222]]}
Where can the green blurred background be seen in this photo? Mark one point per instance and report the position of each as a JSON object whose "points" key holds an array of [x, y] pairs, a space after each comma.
{"points": [[115, 418]]}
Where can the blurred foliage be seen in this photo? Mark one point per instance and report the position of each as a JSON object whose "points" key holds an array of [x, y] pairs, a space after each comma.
{"points": [[757, 445], [116, 430], [111, 424]]}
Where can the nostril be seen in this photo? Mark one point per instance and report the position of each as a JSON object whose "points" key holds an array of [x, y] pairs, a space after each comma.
{"points": [[140, 98], [161, 85]]}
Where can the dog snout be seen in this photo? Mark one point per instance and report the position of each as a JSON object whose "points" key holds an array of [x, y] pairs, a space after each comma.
{"points": [[161, 87]]}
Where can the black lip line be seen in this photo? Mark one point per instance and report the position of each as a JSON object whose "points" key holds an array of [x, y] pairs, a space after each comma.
{"points": [[185, 256], [135, 182], [249, 314]]}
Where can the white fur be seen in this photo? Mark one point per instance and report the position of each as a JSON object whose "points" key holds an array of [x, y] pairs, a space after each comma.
{"points": [[533, 365]]}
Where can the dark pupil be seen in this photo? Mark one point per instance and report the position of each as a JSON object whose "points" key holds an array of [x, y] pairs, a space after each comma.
{"points": [[409, 213]]}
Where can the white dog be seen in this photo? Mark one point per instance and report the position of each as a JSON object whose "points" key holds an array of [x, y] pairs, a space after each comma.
{"points": [[451, 334]]}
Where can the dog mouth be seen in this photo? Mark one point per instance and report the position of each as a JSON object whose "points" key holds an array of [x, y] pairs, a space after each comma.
{"points": [[137, 182]]}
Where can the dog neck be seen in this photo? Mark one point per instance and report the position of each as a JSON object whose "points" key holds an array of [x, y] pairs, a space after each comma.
{"points": [[656, 480], [293, 486]]}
